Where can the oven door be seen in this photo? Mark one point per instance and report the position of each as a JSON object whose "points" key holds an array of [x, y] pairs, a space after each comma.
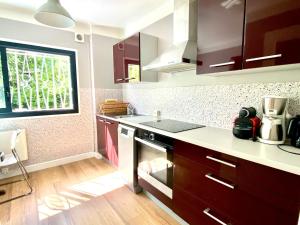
{"points": [[155, 165]]}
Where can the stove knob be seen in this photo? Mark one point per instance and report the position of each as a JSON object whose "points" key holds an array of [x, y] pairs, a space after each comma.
{"points": [[151, 137]]}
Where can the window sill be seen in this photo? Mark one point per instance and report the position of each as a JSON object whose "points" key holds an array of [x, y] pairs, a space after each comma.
{"points": [[38, 115]]}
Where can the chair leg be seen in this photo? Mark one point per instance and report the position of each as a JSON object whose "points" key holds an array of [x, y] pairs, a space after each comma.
{"points": [[25, 177]]}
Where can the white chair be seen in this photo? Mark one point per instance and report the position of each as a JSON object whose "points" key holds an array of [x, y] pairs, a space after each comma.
{"points": [[11, 159]]}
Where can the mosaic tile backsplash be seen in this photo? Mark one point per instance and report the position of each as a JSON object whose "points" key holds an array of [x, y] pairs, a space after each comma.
{"points": [[210, 105]]}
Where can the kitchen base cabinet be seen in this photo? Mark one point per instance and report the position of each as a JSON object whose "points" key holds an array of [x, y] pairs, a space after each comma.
{"points": [[234, 190], [195, 211], [107, 137]]}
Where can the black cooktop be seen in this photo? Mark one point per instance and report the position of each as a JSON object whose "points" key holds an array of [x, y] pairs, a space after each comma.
{"points": [[172, 126]]}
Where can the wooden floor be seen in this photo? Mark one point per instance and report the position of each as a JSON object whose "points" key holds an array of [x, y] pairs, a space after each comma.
{"points": [[89, 192]]}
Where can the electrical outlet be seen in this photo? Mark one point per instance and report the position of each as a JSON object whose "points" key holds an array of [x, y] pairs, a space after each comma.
{"points": [[4, 170]]}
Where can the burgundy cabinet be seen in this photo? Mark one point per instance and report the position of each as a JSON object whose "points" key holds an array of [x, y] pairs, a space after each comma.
{"points": [[227, 188], [127, 60], [272, 35], [118, 55], [132, 58], [234, 35], [101, 136], [220, 36], [107, 136], [130, 55]]}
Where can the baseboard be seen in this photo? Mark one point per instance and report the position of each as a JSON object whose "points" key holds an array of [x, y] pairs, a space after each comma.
{"points": [[62, 161], [53, 163]]}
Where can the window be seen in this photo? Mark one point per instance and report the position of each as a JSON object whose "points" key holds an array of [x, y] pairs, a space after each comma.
{"points": [[36, 80]]}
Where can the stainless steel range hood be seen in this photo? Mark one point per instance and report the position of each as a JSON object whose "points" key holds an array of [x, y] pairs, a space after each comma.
{"points": [[182, 56]]}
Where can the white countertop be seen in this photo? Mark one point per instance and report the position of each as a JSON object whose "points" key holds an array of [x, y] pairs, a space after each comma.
{"points": [[223, 141]]}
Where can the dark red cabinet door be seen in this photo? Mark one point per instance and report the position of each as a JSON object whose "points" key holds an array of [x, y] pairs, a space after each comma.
{"points": [[220, 35], [246, 194], [272, 34], [132, 58], [112, 142], [118, 55], [101, 136]]}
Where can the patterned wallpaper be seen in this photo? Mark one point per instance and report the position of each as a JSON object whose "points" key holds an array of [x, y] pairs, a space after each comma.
{"points": [[54, 137], [211, 105]]}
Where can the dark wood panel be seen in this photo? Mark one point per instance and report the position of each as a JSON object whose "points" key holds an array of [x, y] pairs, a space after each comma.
{"points": [[220, 36], [272, 27]]}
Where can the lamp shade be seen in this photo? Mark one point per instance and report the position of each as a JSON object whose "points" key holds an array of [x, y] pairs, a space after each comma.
{"points": [[53, 14]]}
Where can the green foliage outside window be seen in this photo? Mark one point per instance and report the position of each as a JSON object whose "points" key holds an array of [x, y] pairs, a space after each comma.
{"points": [[39, 81]]}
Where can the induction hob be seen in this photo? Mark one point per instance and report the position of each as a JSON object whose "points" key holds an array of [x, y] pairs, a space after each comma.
{"points": [[172, 126]]}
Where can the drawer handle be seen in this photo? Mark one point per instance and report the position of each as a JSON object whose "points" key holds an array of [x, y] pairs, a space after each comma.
{"points": [[132, 78], [221, 161], [264, 57], [207, 212], [210, 176], [155, 146], [222, 64], [119, 79]]}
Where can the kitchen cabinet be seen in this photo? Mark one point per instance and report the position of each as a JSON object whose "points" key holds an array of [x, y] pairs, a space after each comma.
{"points": [[130, 55], [239, 34], [220, 36], [118, 55], [209, 185], [107, 137], [272, 35]]}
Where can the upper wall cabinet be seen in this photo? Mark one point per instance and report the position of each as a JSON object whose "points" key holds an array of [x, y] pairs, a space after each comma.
{"points": [[130, 55], [272, 33], [239, 34], [118, 53], [220, 35]]}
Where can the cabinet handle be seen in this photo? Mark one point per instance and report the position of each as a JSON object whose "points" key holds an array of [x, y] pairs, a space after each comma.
{"points": [[221, 161], [102, 121], [222, 64], [121, 79], [210, 176], [264, 57], [155, 146], [207, 212], [108, 122], [129, 78]]}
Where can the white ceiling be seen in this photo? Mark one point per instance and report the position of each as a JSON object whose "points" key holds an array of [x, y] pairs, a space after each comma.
{"points": [[113, 13]]}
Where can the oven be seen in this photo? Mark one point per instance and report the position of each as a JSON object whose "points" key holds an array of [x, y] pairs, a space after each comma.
{"points": [[155, 162]]}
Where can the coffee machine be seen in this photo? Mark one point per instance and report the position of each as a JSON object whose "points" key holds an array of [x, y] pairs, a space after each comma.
{"points": [[273, 124]]}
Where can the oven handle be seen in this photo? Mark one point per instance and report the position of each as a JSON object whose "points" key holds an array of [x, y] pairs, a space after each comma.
{"points": [[157, 147]]}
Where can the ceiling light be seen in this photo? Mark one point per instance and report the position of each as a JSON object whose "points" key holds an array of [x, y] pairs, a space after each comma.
{"points": [[53, 14]]}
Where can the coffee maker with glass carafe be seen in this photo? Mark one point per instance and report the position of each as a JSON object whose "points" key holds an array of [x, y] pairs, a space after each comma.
{"points": [[273, 124]]}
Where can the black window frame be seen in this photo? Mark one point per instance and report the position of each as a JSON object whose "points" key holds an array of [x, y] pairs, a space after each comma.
{"points": [[7, 112]]}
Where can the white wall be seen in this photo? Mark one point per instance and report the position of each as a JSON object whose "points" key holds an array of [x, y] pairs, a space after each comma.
{"points": [[54, 137], [102, 50], [208, 100]]}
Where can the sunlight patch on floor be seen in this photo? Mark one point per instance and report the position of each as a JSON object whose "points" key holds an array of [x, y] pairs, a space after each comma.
{"points": [[100, 185], [77, 194]]}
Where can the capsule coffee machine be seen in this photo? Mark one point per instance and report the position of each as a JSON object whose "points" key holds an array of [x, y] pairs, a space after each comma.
{"points": [[273, 124]]}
